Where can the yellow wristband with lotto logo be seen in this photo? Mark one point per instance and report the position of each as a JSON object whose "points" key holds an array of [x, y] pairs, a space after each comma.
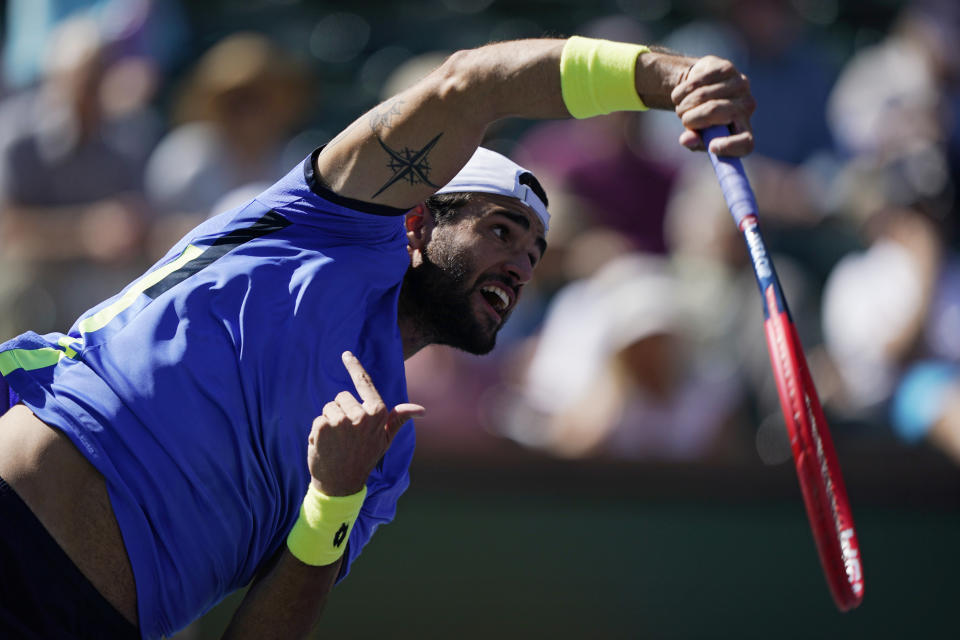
{"points": [[319, 536], [598, 76]]}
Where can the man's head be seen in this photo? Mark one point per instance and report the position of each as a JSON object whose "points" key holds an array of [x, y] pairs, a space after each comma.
{"points": [[471, 252]]}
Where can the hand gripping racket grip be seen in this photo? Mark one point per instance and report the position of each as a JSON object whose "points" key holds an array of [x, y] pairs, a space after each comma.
{"points": [[818, 469]]}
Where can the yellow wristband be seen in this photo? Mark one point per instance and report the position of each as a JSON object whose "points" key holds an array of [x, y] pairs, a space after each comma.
{"points": [[597, 76], [320, 534]]}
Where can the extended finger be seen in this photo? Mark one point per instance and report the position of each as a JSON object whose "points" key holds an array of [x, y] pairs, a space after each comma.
{"points": [[400, 414], [361, 380]]}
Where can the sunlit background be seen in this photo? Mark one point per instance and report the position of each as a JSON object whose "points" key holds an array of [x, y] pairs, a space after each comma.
{"points": [[618, 467]]}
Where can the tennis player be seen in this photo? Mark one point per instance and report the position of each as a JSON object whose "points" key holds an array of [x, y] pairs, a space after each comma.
{"points": [[239, 413]]}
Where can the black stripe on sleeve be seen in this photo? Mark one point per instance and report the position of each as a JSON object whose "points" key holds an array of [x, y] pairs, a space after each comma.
{"points": [[270, 222]]}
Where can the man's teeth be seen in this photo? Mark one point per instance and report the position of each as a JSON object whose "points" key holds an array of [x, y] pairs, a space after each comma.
{"points": [[501, 295]]}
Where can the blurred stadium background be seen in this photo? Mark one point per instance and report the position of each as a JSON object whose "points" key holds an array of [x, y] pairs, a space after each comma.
{"points": [[617, 468]]}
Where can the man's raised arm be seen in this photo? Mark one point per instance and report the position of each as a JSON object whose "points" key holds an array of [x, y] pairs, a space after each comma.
{"points": [[403, 150]]}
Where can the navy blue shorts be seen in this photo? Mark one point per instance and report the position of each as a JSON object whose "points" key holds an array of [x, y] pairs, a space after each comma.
{"points": [[42, 593]]}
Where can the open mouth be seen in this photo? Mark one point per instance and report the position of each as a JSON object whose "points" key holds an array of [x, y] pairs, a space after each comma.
{"points": [[497, 297]]}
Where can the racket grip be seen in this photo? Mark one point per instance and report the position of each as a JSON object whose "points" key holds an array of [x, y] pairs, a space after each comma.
{"points": [[733, 179]]}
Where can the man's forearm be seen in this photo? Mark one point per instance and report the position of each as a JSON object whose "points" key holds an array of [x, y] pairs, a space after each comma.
{"points": [[285, 602], [522, 78]]}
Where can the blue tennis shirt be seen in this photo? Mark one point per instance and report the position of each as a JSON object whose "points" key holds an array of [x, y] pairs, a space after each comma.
{"points": [[194, 389]]}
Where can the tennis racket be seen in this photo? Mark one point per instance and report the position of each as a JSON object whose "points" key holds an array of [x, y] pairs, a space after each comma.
{"points": [[818, 469]]}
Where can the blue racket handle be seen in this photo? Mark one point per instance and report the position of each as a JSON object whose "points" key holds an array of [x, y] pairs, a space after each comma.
{"points": [[733, 179], [742, 204]]}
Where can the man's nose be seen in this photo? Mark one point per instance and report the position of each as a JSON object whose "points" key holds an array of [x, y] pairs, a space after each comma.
{"points": [[519, 268]]}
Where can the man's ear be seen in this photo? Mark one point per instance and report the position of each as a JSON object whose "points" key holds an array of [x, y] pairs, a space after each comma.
{"points": [[417, 224]]}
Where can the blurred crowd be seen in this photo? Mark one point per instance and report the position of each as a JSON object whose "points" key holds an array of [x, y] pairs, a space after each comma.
{"points": [[123, 123]]}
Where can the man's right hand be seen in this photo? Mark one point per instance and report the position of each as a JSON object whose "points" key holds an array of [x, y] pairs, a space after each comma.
{"points": [[713, 92], [351, 436]]}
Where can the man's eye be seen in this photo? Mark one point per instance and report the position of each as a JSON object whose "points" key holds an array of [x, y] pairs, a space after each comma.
{"points": [[500, 231]]}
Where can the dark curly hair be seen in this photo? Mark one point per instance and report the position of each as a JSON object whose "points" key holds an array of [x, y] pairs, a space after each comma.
{"points": [[445, 206]]}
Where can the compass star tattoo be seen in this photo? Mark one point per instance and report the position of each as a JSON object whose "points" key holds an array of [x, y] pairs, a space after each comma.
{"points": [[408, 165]]}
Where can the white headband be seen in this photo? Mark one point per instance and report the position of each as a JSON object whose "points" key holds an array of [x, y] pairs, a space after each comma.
{"points": [[489, 172]]}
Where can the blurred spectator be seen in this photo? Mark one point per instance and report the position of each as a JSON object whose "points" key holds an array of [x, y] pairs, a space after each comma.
{"points": [[146, 29], [895, 93], [612, 373], [927, 406], [792, 171], [897, 106], [792, 167], [892, 325], [726, 315], [790, 74], [236, 113], [892, 312], [604, 163], [71, 159], [874, 306], [29, 25]]}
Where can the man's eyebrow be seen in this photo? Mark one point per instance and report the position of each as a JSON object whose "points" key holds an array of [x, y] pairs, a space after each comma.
{"points": [[524, 222]]}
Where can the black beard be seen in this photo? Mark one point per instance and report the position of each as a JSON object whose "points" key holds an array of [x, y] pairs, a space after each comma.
{"points": [[437, 301]]}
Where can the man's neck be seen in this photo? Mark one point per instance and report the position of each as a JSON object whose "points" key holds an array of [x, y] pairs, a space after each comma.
{"points": [[411, 332]]}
